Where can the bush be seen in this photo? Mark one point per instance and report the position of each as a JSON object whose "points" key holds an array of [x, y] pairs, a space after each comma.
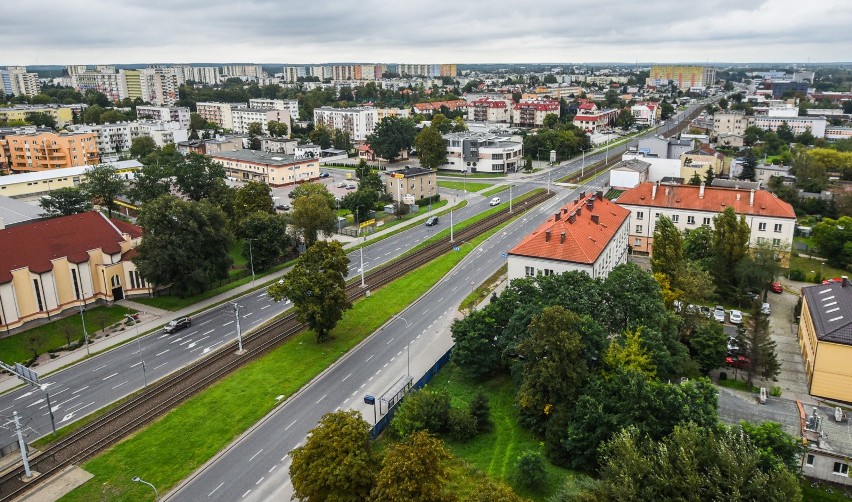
{"points": [[530, 472], [796, 275], [425, 202], [422, 410], [480, 411], [775, 391], [723, 376], [462, 425]]}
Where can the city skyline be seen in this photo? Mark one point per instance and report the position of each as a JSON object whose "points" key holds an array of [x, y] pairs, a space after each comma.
{"points": [[100, 32]]}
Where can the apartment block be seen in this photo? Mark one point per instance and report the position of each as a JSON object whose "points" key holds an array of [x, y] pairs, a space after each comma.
{"points": [[531, 113], [179, 114], [798, 125], [15, 81], [242, 117], [217, 113], [489, 110], [482, 152], [733, 122], [113, 139], [273, 169], [291, 105], [292, 74], [684, 77], [62, 114], [358, 122], [46, 150], [109, 84], [253, 71]]}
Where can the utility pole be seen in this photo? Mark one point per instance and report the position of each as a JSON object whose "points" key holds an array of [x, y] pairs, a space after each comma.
{"points": [[23, 445], [510, 198], [85, 333], [451, 226], [361, 251], [237, 308], [251, 261]]}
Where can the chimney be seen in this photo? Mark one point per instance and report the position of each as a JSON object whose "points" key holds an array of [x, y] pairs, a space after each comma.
{"points": [[562, 238], [572, 217], [547, 236], [844, 280], [556, 216], [701, 191], [596, 219], [751, 198], [600, 194], [579, 210], [654, 191], [582, 194], [590, 203]]}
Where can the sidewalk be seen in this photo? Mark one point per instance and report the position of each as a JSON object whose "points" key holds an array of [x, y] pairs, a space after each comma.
{"points": [[155, 318]]}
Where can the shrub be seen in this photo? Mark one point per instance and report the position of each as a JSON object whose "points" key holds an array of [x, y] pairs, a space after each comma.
{"points": [[462, 425], [425, 201], [775, 391], [422, 410], [530, 472], [796, 275], [480, 411]]}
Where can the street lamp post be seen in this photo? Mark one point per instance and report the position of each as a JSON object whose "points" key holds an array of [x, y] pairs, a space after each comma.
{"points": [[85, 333], [49, 408], [583, 166], [451, 226], [139, 348], [361, 252], [407, 349], [237, 308], [251, 260], [510, 198], [137, 479]]}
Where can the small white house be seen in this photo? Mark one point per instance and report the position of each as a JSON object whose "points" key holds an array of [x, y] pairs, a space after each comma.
{"points": [[628, 174]]}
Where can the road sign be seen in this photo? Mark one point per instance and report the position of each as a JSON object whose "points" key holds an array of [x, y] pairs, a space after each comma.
{"points": [[504, 255], [455, 248]]}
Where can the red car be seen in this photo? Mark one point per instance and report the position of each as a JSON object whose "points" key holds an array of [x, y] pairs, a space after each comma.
{"points": [[741, 362], [776, 287]]}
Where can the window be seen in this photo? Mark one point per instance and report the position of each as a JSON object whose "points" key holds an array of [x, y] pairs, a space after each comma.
{"points": [[675, 218], [640, 215], [778, 228], [38, 295], [761, 227], [76, 285], [690, 220], [776, 242], [841, 468], [761, 240], [706, 221], [548, 271], [529, 271], [638, 229], [637, 242], [810, 460]]}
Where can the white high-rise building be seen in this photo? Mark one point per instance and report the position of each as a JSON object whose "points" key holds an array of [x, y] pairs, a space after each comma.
{"points": [[217, 113], [253, 71], [243, 117], [179, 114], [108, 84], [16, 81], [358, 122], [292, 73], [291, 105]]}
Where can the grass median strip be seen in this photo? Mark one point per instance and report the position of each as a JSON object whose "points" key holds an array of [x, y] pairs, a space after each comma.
{"points": [[470, 186], [495, 190], [174, 446]]}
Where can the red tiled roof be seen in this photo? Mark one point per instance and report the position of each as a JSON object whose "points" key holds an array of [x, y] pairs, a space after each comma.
{"points": [[588, 106], [36, 244], [540, 106], [489, 103], [588, 118], [127, 228], [715, 200], [584, 241]]}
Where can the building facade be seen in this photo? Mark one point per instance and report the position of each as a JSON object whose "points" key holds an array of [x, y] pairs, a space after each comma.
{"points": [[797, 124], [587, 235], [47, 150], [62, 114], [684, 77], [50, 266], [273, 169], [241, 118], [179, 114], [482, 152], [410, 184], [701, 159], [358, 122], [770, 219], [38, 183], [217, 113], [291, 105], [595, 121], [531, 113], [489, 110]]}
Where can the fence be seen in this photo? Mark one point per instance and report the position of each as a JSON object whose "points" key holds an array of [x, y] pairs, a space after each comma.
{"points": [[382, 423]]}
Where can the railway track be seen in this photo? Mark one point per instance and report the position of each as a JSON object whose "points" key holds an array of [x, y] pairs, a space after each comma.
{"points": [[164, 394]]}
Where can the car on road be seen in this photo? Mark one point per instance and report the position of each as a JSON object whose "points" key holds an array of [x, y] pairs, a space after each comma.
{"points": [[324, 175], [736, 316], [177, 325], [494, 201], [765, 308], [776, 287], [432, 221], [739, 361], [719, 313]]}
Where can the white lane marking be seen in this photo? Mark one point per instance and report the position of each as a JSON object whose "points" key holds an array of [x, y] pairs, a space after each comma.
{"points": [[392, 358], [80, 389], [176, 340], [320, 399], [259, 480], [273, 468], [208, 332], [291, 425], [227, 323], [385, 366], [389, 341], [378, 372], [354, 393], [135, 365], [250, 313], [30, 393], [256, 454], [110, 376], [265, 307], [368, 359], [35, 403], [371, 378], [347, 376], [398, 353], [161, 353], [362, 386], [246, 493], [207, 349], [261, 295], [205, 322], [256, 321], [99, 368], [159, 366], [119, 385], [214, 489]]}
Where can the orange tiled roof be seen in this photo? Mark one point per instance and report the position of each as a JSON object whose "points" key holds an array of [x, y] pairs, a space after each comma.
{"points": [[715, 200], [584, 239]]}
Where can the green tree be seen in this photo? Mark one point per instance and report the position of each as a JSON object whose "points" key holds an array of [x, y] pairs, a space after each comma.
{"points": [[833, 238], [306, 189], [65, 201], [625, 119], [692, 463], [554, 368], [142, 146], [749, 163], [811, 176], [340, 140], [481, 412], [197, 176], [759, 268], [252, 197], [268, 236], [698, 244], [626, 352], [756, 343], [186, 245], [311, 215], [111, 117], [475, 348], [431, 148], [415, 469], [360, 202], [459, 125], [730, 245], [492, 491], [696, 179], [550, 121], [421, 410], [337, 462], [785, 133], [441, 123], [530, 471], [776, 447], [255, 130], [709, 176], [197, 122], [667, 250], [317, 287], [321, 136], [277, 129], [708, 345], [92, 114], [391, 135], [152, 181], [41, 119], [103, 185]]}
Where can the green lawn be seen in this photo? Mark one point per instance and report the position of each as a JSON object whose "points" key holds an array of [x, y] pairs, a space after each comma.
{"points": [[471, 186], [740, 385], [51, 336], [170, 449], [495, 190], [820, 494], [812, 267], [454, 174], [495, 453], [483, 290]]}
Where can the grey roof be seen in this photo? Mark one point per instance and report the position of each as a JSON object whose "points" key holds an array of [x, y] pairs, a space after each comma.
{"points": [[745, 185], [14, 212], [634, 165], [411, 172], [830, 306], [272, 159]]}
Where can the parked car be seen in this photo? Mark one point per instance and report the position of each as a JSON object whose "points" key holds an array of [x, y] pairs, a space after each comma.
{"points": [[342, 184], [736, 316], [719, 313], [283, 207], [495, 201], [777, 288], [350, 186], [432, 221], [324, 175], [733, 346], [765, 309], [741, 362], [177, 325]]}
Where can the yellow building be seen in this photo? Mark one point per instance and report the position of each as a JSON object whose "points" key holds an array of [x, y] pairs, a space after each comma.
{"points": [[40, 183], [50, 266], [132, 82], [61, 114], [41, 151], [699, 160], [825, 338], [683, 76]]}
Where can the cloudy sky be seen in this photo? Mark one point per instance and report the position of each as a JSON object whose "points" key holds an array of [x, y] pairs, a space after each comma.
{"points": [[434, 31]]}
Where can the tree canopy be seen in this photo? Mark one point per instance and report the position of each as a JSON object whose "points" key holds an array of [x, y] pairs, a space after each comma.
{"points": [[391, 135], [65, 201], [103, 185]]}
